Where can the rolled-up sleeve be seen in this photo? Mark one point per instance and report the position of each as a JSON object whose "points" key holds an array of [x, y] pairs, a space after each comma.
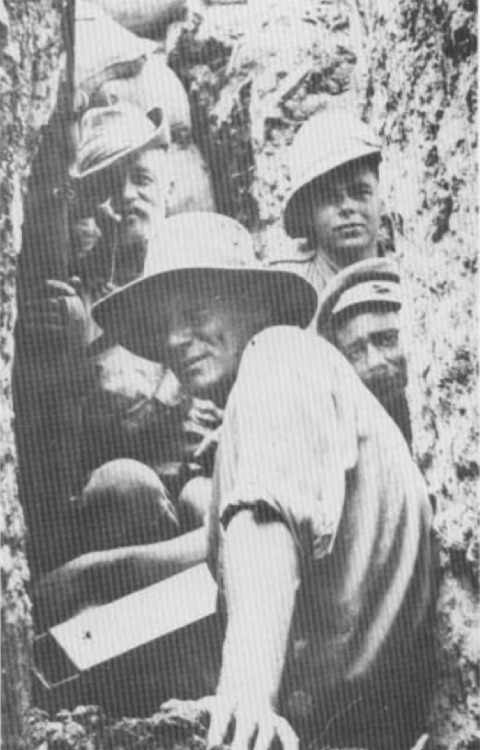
{"points": [[288, 438]]}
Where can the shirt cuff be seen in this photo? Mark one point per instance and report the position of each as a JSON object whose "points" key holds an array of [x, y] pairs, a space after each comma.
{"points": [[263, 512]]}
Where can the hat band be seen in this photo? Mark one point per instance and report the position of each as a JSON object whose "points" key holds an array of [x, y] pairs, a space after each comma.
{"points": [[102, 149], [369, 292]]}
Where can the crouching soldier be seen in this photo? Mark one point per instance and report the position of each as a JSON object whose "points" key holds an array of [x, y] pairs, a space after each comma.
{"points": [[133, 521], [360, 313], [96, 425], [320, 525], [334, 203], [68, 379], [114, 65]]}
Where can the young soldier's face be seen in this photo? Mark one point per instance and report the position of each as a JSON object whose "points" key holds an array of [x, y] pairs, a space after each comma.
{"points": [[205, 341], [344, 213], [372, 344]]}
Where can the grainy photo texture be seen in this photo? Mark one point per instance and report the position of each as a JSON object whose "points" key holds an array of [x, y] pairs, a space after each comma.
{"points": [[239, 349]]}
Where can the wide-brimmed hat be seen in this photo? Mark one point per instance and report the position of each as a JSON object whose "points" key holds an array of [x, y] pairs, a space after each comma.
{"points": [[370, 284], [200, 255], [327, 141], [110, 134]]}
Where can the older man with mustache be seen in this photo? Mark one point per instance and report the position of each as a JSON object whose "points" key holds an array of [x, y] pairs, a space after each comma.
{"points": [[134, 428]]}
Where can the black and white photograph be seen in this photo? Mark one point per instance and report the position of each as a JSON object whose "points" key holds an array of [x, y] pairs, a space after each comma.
{"points": [[240, 437]]}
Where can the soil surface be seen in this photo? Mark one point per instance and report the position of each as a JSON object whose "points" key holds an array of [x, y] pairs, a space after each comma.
{"points": [[254, 73]]}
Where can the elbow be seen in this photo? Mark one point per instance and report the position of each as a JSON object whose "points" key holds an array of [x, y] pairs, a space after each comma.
{"points": [[250, 542]]}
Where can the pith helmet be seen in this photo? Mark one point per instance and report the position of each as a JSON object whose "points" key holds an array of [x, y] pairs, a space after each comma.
{"points": [[109, 134], [327, 141], [200, 255], [367, 285]]}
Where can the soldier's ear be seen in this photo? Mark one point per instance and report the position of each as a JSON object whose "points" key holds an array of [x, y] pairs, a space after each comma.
{"points": [[156, 116]]}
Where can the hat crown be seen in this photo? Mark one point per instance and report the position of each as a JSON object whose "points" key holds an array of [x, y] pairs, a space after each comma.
{"points": [[198, 254], [374, 280], [200, 240], [110, 132], [328, 140]]}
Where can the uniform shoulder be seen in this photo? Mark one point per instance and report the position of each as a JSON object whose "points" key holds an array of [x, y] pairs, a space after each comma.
{"points": [[280, 341], [301, 353]]}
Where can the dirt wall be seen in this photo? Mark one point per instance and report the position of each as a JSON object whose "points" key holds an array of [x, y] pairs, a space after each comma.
{"points": [[254, 73], [29, 49], [421, 87]]}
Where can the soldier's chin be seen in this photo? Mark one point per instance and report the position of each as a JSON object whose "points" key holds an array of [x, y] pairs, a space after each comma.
{"points": [[385, 390], [133, 230]]}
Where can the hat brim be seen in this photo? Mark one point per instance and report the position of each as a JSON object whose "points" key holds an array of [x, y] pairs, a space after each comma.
{"points": [[136, 315], [371, 269], [369, 295], [293, 217], [158, 137]]}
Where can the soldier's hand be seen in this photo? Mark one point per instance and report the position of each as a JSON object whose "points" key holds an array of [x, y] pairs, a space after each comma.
{"points": [[55, 314], [202, 428], [208, 443], [251, 724], [86, 237], [44, 312]]}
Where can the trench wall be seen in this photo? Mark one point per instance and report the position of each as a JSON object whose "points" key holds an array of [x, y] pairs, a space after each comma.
{"points": [[254, 74]]}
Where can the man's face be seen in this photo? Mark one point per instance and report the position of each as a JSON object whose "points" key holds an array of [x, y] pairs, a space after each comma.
{"points": [[371, 342], [344, 213], [138, 194], [205, 341]]}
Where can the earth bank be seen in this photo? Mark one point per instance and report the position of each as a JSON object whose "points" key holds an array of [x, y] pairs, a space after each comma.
{"points": [[254, 73]]}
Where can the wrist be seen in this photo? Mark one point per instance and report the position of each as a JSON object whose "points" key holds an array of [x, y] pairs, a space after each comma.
{"points": [[248, 677], [247, 692]]}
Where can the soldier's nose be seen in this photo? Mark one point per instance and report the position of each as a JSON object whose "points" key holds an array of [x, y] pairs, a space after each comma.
{"points": [[375, 360], [129, 191], [179, 337], [347, 204]]}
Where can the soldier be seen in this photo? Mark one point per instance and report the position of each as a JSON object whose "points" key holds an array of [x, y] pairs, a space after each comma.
{"points": [[334, 203], [54, 329], [320, 526], [121, 177], [114, 65], [134, 520], [360, 313], [94, 419]]}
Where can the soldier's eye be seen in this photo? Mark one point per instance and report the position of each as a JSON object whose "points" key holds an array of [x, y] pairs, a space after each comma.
{"points": [[143, 178], [360, 191], [355, 351], [388, 338]]}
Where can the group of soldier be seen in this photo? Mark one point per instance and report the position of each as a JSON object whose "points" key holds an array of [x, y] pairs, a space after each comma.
{"points": [[209, 426]]}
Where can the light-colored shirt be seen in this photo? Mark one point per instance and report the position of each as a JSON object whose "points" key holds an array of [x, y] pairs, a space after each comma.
{"points": [[132, 408], [312, 265], [303, 436]]}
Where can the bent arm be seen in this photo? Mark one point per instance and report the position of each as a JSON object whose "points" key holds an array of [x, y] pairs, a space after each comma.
{"points": [[261, 580], [150, 563], [49, 379], [105, 575]]}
